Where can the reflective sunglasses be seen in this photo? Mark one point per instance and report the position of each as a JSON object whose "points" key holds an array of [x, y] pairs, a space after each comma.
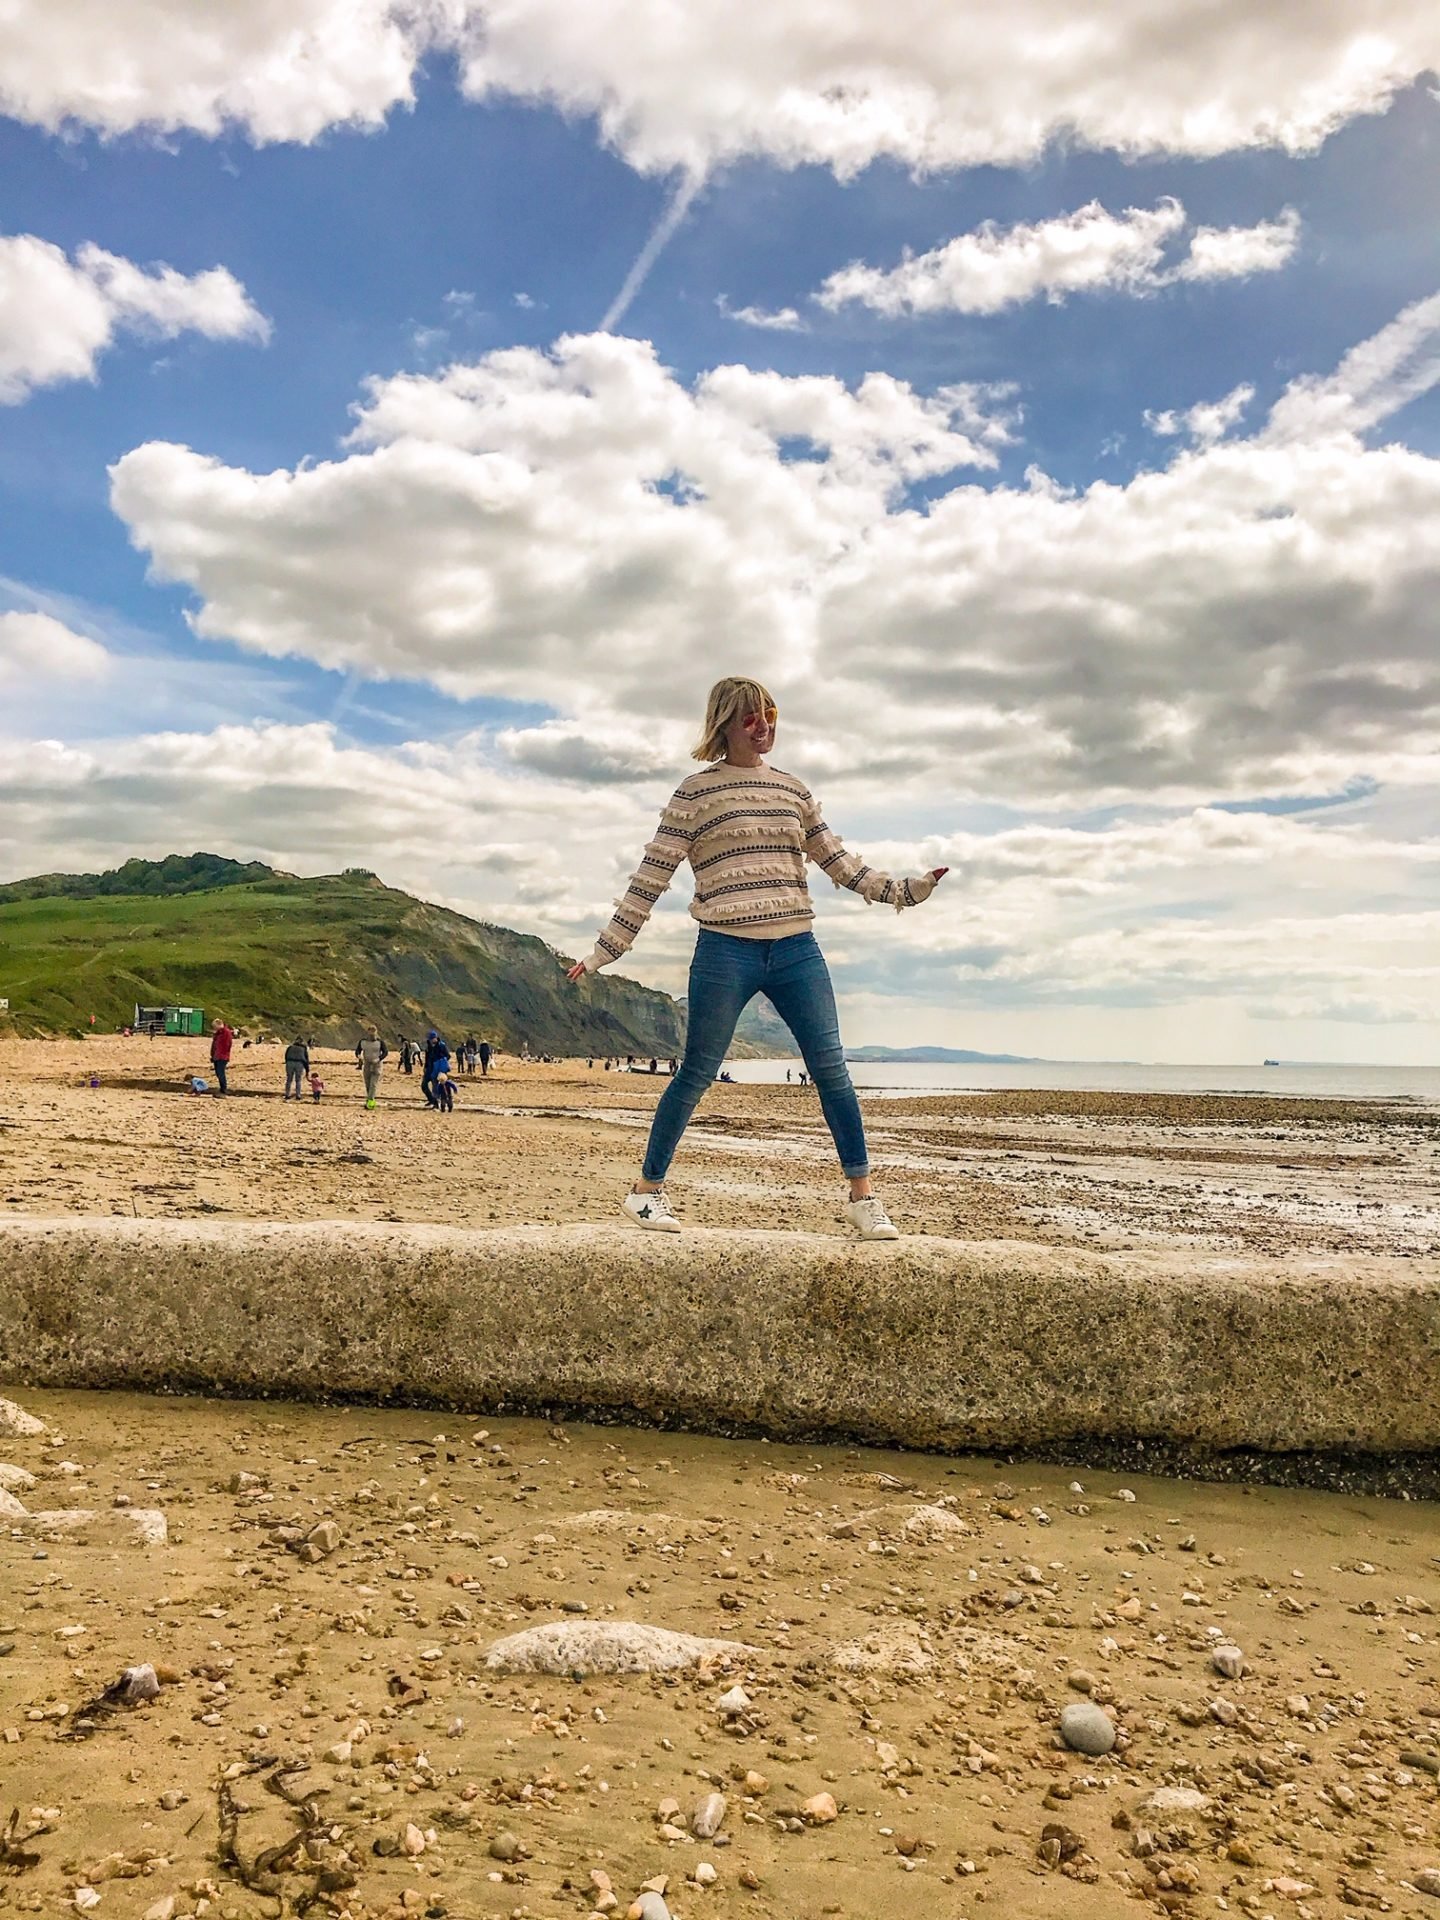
{"points": [[752, 720]]}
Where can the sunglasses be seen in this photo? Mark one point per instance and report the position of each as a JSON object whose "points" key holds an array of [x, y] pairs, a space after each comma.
{"points": [[767, 718]]}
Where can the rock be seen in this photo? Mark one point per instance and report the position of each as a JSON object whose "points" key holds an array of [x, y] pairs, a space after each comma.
{"points": [[126, 1526], [15, 1420], [650, 1906], [505, 1846], [733, 1703], [15, 1479], [606, 1646], [243, 1482], [340, 1753], [161, 1909], [705, 1874], [1228, 1660], [173, 1799], [1175, 1800], [755, 1784], [10, 1507], [1087, 1728], [1080, 1680], [1427, 1880], [1124, 1493], [139, 1683], [819, 1810], [929, 1525], [1059, 1843], [412, 1840], [324, 1537], [708, 1818]]}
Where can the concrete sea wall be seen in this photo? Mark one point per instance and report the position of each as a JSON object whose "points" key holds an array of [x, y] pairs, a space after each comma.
{"points": [[926, 1343]]}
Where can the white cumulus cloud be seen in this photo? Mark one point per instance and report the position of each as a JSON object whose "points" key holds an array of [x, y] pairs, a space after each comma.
{"points": [[57, 316], [1088, 251], [838, 83], [583, 529], [772, 320], [1205, 422]]}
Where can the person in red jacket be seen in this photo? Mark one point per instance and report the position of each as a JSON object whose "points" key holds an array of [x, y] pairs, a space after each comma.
{"points": [[222, 1041]]}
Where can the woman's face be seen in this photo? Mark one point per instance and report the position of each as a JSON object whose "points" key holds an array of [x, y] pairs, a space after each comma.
{"points": [[751, 732]]}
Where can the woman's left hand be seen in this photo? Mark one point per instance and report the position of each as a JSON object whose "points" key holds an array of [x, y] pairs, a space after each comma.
{"points": [[938, 873]]}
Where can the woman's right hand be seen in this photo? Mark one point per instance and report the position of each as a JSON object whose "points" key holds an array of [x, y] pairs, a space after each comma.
{"points": [[577, 972]]}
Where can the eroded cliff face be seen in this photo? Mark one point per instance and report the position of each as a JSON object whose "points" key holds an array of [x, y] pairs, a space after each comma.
{"points": [[273, 952]]}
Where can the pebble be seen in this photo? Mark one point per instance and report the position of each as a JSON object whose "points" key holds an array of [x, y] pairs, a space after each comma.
{"points": [[15, 1479], [505, 1846], [161, 1909], [1228, 1660], [10, 1507], [820, 1809], [733, 1703], [705, 1874], [1427, 1880], [1087, 1728], [1080, 1680], [708, 1818]]}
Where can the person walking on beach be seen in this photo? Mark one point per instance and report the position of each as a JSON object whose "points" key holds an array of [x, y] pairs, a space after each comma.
{"points": [[433, 1045], [486, 1053], [222, 1044], [747, 830], [370, 1050], [297, 1066]]}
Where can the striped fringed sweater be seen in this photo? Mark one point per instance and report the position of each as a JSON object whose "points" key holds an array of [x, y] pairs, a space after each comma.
{"points": [[747, 832]]}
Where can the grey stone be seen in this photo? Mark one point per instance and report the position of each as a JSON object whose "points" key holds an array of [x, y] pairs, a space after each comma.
{"points": [[1228, 1660], [10, 1507], [1087, 1728], [15, 1479]]}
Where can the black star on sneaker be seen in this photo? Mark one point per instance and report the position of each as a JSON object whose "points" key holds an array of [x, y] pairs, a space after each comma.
{"points": [[642, 1213]]}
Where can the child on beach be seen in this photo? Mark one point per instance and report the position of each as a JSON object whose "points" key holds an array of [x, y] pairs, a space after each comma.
{"points": [[317, 1086]]}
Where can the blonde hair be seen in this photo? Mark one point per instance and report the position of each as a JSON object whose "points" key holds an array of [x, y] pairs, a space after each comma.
{"points": [[727, 698]]}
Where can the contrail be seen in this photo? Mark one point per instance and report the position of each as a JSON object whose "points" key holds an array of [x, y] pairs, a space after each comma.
{"points": [[686, 189]]}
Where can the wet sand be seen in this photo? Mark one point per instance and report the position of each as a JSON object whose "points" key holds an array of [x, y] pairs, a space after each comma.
{"points": [[917, 1626]]}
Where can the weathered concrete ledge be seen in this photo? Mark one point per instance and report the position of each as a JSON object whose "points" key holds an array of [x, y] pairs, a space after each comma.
{"points": [[927, 1343]]}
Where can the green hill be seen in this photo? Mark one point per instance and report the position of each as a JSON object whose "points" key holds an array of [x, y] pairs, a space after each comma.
{"points": [[322, 956]]}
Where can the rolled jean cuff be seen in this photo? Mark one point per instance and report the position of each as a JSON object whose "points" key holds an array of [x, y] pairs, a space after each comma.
{"points": [[857, 1173]]}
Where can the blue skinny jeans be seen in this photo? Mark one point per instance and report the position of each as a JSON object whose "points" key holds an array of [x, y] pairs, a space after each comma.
{"points": [[725, 975]]}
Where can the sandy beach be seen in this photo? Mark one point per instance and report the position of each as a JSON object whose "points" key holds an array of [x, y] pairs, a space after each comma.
{"points": [[536, 1144], [907, 1629], [910, 1630]]}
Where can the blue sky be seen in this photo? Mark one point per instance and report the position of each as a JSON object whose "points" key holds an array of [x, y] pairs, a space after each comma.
{"points": [[376, 260]]}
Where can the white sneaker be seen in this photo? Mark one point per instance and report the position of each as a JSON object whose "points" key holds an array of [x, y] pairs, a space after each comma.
{"points": [[651, 1210], [870, 1220]]}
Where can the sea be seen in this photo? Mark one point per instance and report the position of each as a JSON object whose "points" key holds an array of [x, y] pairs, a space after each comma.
{"points": [[1419, 1086]]}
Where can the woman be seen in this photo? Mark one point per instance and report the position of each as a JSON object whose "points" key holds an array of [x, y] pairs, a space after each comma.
{"points": [[747, 830]]}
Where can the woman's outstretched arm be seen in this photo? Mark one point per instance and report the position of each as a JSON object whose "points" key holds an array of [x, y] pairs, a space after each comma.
{"points": [[664, 853], [847, 869]]}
